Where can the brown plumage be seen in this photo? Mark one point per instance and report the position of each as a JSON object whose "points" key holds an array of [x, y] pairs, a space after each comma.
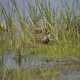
{"points": [[45, 39], [41, 35]]}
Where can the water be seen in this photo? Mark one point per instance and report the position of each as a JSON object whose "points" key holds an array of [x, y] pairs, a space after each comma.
{"points": [[11, 61], [35, 62], [73, 75]]}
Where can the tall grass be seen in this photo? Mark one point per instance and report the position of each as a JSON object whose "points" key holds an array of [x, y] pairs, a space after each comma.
{"points": [[61, 25], [63, 29]]}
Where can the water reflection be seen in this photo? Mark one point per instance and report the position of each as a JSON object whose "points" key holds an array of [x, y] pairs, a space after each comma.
{"points": [[10, 61]]}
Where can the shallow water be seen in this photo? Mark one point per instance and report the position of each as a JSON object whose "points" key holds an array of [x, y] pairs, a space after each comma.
{"points": [[35, 62], [74, 75], [10, 61]]}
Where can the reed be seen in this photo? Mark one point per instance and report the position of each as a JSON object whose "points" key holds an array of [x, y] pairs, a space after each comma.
{"points": [[61, 26]]}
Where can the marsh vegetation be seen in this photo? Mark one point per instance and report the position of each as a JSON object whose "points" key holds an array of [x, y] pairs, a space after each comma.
{"points": [[41, 31]]}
